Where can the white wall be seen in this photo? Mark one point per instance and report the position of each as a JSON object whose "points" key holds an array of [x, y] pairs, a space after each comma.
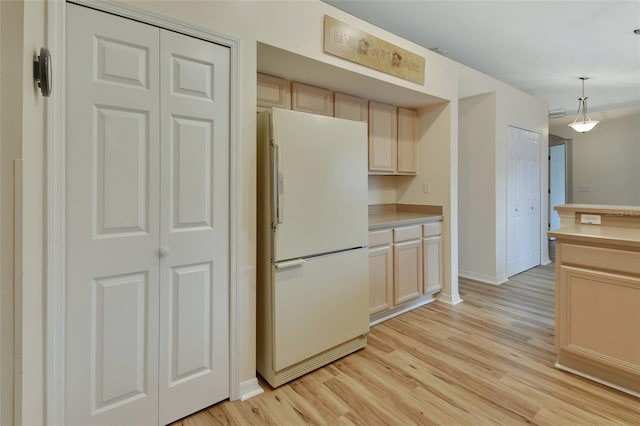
{"points": [[518, 109], [476, 186], [251, 22], [382, 189], [605, 161]]}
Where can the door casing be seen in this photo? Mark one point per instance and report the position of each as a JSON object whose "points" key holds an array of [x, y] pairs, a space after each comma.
{"points": [[56, 201]]}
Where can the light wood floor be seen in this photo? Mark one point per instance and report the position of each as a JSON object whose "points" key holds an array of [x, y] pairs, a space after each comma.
{"points": [[488, 360]]}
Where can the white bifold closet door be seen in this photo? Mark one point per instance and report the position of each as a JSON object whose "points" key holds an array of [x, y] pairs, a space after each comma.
{"points": [[147, 222], [523, 200]]}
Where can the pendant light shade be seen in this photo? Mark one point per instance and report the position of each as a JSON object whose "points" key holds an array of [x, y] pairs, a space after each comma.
{"points": [[583, 123]]}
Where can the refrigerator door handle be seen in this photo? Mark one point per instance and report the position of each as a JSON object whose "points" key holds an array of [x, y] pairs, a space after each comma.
{"points": [[289, 263], [277, 187]]}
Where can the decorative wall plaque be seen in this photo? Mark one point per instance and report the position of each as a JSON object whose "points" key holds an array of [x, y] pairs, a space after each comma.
{"points": [[357, 46]]}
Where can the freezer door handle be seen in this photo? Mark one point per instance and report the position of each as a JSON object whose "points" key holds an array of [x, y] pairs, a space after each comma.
{"points": [[289, 263], [277, 202]]}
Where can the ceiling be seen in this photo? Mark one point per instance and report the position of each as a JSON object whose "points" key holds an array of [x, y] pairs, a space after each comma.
{"points": [[540, 47]]}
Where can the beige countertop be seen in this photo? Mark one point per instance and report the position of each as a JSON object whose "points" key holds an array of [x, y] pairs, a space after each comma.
{"points": [[389, 215], [612, 235], [599, 209]]}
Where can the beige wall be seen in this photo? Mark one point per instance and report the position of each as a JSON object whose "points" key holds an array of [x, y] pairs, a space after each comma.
{"points": [[476, 186], [605, 160], [512, 108], [250, 22]]}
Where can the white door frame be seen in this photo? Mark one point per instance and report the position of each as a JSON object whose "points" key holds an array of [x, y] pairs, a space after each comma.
{"points": [[56, 201]]}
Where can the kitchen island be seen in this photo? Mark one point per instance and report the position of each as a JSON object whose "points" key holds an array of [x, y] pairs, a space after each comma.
{"points": [[598, 294]]}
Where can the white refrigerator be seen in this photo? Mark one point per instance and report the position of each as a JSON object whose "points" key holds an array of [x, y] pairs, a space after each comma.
{"points": [[313, 274]]}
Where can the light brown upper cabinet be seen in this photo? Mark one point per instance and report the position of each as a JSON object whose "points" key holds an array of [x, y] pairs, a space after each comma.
{"points": [[383, 134], [312, 99], [273, 92], [350, 107], [393, 146], [407, 142]]}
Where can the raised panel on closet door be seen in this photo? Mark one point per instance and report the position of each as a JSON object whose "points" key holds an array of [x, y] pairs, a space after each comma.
{"points": [[311, 99], [112, 219], [194, 229]]}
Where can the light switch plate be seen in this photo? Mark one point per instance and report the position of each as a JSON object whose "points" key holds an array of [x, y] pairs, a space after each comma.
{"points": [[593, 219]]}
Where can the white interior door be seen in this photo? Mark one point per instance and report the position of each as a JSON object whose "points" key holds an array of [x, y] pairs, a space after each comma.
{"points": [[112, 220], [147, 222], [523, 200], [194, 233]]}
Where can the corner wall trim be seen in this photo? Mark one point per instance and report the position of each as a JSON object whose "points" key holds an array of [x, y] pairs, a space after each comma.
{"points": [[249, 389], [485, 279]]}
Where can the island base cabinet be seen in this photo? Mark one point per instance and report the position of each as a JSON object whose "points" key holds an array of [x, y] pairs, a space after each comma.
{"points": [[596, 335], [598, 304]]}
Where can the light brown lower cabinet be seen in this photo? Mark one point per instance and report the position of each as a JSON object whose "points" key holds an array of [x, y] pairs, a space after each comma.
{"points": [[598, 309], [432, 252], [405, 265], [381, 279]]}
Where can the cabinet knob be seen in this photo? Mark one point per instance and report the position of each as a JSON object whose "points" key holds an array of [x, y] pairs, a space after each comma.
{"points": [[163, 251]]}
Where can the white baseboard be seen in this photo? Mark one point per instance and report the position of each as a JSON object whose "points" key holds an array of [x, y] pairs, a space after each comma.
{"points": [[378, 318], [487, 279], [448, 299], [249, 389]]}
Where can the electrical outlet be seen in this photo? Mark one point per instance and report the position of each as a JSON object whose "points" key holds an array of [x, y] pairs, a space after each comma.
{"points": [[426, 187], [593, 219]]}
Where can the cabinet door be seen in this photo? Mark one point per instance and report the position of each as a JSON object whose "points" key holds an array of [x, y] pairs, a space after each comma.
{"points": [[407, 141], [350, 107], [432, 249], [383, 121], [311, 99], [380, 279], [407, 268], [273, 92]]}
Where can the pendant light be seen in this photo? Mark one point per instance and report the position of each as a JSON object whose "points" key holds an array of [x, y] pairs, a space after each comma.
{"points": [[586, 123]]}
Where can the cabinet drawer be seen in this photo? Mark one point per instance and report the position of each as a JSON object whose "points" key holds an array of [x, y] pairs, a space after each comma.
{"points": [[379, 238], [432, 229], [600, 258], [406, 234]]}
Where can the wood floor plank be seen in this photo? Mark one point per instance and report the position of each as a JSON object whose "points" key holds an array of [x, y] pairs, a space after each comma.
{"points": [[487, 361]]}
